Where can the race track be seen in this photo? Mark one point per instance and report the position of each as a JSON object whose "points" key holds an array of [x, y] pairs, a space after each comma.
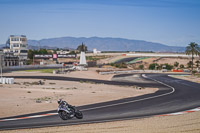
{"points": [[174, 95]]}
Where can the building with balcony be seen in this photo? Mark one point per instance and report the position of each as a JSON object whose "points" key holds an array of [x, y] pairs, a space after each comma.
{"points": [[18, 46]]}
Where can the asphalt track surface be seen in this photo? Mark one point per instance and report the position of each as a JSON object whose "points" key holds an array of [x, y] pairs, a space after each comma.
{"points": [[174, 95], [126, 60]]}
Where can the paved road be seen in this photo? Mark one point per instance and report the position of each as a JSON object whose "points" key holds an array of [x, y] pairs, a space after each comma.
{"points": [[125, 60], [174, 95]]}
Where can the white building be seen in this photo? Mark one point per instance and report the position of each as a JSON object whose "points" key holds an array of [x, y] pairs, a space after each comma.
{"points": [[95, 51], [63, 52], [18, 46]]}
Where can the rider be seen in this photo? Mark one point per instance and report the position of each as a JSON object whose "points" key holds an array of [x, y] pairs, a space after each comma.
{"points": [[64, 103]]}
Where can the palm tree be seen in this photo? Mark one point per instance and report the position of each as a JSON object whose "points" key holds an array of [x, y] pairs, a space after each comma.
{"points": [[197, 63], [82, 47], [192, 49]]}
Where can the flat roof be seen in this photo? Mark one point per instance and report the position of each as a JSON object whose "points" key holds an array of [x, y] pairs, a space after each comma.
{"points": [[17, 36]]}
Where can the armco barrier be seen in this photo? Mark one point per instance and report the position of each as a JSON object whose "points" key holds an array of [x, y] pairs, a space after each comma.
{"points": [[28, 67], [131, 71]]}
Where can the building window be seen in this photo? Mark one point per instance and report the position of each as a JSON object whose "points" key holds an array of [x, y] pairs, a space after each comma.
{"points": [[14, 39], [23, 51], [22, 45], [23, 39], [15, 45]]}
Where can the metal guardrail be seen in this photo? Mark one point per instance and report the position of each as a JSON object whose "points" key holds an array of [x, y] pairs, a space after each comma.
{"points": [[34, 66], [131, 71], [28, 67]]}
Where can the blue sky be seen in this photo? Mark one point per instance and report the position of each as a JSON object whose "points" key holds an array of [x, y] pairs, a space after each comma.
{"points": [[171, 22]]}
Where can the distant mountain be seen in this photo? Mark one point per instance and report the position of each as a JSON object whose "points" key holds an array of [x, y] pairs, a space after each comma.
{"points": [[31, 47], [41, 47], [2, 45], [104, 44]]}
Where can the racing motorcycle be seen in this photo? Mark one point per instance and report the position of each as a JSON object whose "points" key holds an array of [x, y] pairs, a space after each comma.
{"points": [[66, 111]]}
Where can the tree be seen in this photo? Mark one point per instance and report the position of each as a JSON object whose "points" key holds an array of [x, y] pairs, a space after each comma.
{"points": [[167, 66], [182, 66], [153, 66], [189, 64], [72, 52], [30, 54], [43, 51], [176, 64], [82, 47], [141, 67], [192, 49], [33, 52], [197, 63]]}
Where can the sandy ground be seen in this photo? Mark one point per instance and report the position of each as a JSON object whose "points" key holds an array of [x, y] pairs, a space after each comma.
{"points": [[90, 74], [26, 96], [148, 61], [171, 61], [186, 123]]}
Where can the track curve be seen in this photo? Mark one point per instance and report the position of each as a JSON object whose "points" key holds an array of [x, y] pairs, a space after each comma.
{"points": [[174, 95]]}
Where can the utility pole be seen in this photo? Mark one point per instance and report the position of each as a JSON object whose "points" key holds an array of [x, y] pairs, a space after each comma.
{"points": [[38, 45], [1, 63], [33, 59]]}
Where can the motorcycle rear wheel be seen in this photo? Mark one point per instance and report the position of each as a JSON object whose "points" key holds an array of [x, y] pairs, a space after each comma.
{"points": [[79, 115]]}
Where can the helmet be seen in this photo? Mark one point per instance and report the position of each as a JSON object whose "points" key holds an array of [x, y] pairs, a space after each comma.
{"points": [[59, 101]]}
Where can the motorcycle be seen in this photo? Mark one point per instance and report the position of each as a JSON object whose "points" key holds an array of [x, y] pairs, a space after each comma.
{"points": [[66, 111]]}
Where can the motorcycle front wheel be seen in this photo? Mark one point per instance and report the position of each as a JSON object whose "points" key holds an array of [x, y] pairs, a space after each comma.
{"points": [[63, 115], [79, 115]]}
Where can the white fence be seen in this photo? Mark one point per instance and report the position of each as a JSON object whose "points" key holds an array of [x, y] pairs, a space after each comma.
{"points": [[159, 55], [7, 80], [26, 67], [131, 71]]}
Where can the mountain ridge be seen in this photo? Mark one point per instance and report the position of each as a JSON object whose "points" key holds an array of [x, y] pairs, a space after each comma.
{"points": [[104, 44], [107, 44]]}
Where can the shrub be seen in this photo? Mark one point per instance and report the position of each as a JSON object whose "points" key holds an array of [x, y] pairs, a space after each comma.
{"points": [[182, 66], [141, 67], [189, 64], [119, 65], [116, 65], [122, 65], [176, 64], [194, 72], [112, 64], [167, 66], [153, 66]]}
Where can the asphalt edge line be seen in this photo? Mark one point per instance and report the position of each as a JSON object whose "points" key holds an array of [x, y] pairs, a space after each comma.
{"points": [[143, 75], [181, 113]]}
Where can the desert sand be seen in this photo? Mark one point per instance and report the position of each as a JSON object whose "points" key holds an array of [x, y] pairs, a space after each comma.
{"points": [[26, 96], [186, 123]]}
